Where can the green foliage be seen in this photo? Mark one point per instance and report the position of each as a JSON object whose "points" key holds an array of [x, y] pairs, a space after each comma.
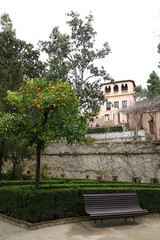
{"points": [[43, 112], [125, 153], [71, 182], [72, 57], [140, 93], [17, 59], [89, 140], [153, 85], [18, 151], [24, 203], [6, 23], [105, 130]]}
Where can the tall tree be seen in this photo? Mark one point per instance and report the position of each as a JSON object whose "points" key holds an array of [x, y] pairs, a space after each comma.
{"points": [[17, 59], [73, 57], [140, 93], [153, 85], [44, 112]]}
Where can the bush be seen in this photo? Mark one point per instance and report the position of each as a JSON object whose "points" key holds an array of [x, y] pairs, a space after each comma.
{"points": [[10, 176], [105, 130], [36, 206], [24, 203], [29, 182]]}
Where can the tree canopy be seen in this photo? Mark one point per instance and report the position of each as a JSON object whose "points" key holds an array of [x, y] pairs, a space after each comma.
{"points": [[73, 57], [17, 59], [153, 85], [140, 93], [43, 112]]}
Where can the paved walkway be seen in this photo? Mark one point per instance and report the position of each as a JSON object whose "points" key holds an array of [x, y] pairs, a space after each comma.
{"points": [[147, 228]]}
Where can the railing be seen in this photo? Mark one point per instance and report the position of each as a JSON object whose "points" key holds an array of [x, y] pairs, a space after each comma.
{"points": [[116, 93]]}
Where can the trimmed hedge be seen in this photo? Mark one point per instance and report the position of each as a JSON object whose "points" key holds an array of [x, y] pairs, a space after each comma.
{"points": [[29, 182], [105, 130], [24, 203], [45, 184]]}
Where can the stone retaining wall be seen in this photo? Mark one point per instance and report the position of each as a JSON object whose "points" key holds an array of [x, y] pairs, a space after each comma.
{"points": [[127, 161]]}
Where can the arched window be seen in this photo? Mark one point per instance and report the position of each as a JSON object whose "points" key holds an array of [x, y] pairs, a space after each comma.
{"points": [[107, 89], [116, 88], [124, 87]]}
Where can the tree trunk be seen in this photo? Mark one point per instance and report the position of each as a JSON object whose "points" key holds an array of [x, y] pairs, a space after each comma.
{"points": [[0, 169], [38, 162], [1, 158]]}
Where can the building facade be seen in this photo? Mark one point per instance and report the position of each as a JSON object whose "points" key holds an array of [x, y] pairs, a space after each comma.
{"points": [[119, 95]]}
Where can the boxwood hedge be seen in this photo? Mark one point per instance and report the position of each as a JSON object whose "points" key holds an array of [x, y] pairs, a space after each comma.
{"points": [[24, 203]]}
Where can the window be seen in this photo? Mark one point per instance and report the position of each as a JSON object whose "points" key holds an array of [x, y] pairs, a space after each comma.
{"points": [[119, 118], [151, 127], [124, 104], [107, 89], [124, 87], [108, 106], [116, 88], [116, 104], [114, 178], [108, 116], [136, 180]]}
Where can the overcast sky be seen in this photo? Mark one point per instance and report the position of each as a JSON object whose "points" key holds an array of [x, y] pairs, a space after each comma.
{"points": [[131, 27]]}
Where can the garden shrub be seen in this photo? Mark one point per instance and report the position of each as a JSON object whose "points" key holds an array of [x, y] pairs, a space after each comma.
{"points": [[105, 129], [24, 203]]}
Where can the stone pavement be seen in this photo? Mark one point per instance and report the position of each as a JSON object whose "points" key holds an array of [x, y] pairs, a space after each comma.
{"points": [[146, 228]]}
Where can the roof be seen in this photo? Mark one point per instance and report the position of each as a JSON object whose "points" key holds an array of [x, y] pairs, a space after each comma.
{"points": [[121, 81]]}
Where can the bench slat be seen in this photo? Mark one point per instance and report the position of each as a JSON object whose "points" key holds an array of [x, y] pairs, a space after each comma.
{"points": [[100, 206]]}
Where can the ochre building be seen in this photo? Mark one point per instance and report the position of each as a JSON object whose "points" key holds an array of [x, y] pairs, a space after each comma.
{"points": [[118, 95]]}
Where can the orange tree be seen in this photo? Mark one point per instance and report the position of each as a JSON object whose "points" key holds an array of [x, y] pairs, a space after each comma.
{"points": [[43, 112]]}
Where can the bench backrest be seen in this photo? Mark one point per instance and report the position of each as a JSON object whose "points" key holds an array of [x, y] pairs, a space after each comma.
{"points": [[110, 201]]}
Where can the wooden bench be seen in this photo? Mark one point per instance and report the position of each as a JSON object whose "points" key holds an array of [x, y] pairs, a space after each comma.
{"points": [[103, 206]]}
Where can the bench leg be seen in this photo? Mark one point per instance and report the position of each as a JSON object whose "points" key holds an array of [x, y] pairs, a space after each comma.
{"points": [[134, 221], [102, 224]]}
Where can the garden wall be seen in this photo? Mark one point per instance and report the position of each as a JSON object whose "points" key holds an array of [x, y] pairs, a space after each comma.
{"points": [[122, 161], [118, 136]]}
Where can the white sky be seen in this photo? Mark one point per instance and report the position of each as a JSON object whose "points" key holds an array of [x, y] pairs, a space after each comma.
{"points": [[131, 27]]}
